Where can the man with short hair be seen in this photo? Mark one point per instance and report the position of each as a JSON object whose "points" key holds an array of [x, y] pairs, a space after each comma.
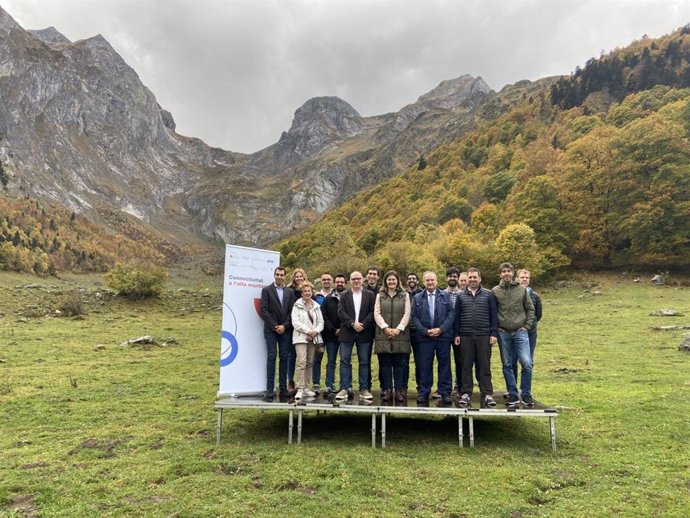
{"points": [[476, 330], [452, 289], [412, 289], [372, 284], [524, 278], [331, 330], [356, 313], [320, 297], [515, 317], [276, 306], [463, 280], [433, 317]]}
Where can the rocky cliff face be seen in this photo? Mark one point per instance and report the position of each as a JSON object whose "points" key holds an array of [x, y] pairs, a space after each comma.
{"points": [[77, 126]]}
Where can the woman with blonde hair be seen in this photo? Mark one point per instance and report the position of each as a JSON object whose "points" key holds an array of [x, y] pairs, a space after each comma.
{"points": [[392, 312], [296, 279], [307, 324]]}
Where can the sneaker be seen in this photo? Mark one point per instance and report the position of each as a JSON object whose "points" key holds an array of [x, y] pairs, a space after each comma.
{"points": [[309, 393], [342, 394], [446, 399], [512, 400], [464, 400], [528, 401], [300, 394], [317, 390], [489, 401], [365, 394]]}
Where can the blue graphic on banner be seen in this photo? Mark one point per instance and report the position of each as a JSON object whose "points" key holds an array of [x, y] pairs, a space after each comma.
{"points": [[233, 348]]}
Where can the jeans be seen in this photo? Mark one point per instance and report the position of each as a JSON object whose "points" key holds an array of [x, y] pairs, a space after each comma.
{"points": [[316, 369], [363, 355], [514, 348], [532, 333], [427, 350], [277, 346], [392, 367], [415, 355], [457, 358], [332, 355], [476, 350]]}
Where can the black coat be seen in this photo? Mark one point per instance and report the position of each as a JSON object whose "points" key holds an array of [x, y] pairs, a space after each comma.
{"points": [[331, 322], [346, 313], [272, 312]]}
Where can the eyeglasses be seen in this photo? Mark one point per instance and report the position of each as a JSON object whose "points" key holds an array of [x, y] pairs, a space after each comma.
{"points": [[356, 279]]}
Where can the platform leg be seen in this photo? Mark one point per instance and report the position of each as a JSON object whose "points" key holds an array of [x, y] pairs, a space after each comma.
{"points": [[290, 426], [299, 426], [552, 427], [219, 425], [373, 430], [460, 431], [471, 432], [383, 430]]}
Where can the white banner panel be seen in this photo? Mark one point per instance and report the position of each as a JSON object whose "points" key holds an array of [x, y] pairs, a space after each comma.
{"points": [[242, 345]]}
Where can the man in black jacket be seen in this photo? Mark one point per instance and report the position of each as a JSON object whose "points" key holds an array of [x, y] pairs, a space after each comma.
{"points": [[524, 277], [476, 330], [331, 329], [276, 306]]}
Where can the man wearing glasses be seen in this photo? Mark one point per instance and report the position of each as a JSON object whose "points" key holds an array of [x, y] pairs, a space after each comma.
{"points": [[356, 313]]}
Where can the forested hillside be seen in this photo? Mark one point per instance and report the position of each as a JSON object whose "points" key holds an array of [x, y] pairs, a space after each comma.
{"points": [[597, 185], [41, 238]]}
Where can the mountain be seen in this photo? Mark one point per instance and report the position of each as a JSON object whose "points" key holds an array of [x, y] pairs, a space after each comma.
{"points": [[591, 170], [78, 128]]}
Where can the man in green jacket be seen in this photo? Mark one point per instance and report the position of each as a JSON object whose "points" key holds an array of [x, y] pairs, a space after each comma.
{"points": [[515, 317]]}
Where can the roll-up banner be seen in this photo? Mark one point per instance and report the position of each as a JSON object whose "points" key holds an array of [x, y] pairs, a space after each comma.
{"points": [[242, 345]]}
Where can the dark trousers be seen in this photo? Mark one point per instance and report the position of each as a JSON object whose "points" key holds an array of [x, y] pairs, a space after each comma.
{"points": [[281, 347], [392, 367], [415, 355], [476, 349], [428, 348], [457, 359]]}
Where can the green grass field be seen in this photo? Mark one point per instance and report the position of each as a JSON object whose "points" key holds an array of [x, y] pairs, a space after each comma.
{"points": [[92, 429]]}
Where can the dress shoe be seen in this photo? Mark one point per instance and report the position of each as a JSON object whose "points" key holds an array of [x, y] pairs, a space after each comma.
{"points": [[399, 396], [387, 395]]}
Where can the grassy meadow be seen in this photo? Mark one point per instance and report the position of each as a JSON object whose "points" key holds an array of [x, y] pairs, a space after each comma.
{"points": [[92, 429]]}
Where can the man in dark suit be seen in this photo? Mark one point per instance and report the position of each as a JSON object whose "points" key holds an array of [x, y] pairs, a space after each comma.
{"points": [[276, 307], [356, 313], [433, 316], [331, 330]]}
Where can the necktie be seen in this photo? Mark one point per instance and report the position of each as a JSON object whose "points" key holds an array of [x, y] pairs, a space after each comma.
{"points": [[431, 308]]}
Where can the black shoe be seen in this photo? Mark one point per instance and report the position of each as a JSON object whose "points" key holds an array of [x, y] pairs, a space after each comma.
{"points": [[488, 401], [528, 401], [512, 400], [350, 394], [446, 399], [283, 395], [268, 397], [464, 400], [422, 398]]}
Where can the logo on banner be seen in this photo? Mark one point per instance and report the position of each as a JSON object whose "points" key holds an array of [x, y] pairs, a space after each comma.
{"points": [[229, 345]]}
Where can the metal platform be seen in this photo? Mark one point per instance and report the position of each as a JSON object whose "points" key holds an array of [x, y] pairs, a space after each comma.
{"points": [[377, 408]]}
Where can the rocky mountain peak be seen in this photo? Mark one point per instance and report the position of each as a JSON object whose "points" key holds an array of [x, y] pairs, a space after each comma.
{"points": [[49, 35], [319, 122], [7, 22], [453, 92]]}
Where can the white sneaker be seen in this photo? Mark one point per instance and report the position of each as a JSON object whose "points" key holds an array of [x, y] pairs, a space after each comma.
{"points": [[309, 393], [300, 394], [342, 394], [365, 394]]}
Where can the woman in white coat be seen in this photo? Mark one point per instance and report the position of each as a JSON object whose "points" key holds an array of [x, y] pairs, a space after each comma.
{"points": [[307, 324]]}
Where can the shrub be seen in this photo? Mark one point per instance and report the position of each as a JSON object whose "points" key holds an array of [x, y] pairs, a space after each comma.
{"points": [[137, 282], [71, 304]]}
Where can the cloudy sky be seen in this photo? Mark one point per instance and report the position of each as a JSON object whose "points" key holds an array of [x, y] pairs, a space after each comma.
{"points": [[233, 72]]}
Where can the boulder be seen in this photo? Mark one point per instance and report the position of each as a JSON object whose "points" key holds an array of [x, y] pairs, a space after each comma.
{"points": [[685, 344], [666, 313], [658, 280]]}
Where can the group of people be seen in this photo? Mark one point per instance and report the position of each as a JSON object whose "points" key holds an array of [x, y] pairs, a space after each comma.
{"points": [[393, 320]]}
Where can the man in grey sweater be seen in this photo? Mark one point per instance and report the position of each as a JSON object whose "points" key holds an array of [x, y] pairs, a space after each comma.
{"points": [[515, 317]]}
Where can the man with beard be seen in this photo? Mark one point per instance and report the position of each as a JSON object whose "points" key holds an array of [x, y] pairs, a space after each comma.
{"points": [[331, 329], [452, 289], [320, 297], [412, 289]]}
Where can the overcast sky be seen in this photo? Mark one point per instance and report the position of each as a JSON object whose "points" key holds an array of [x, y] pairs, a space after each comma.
{"points": [[233, 72]]}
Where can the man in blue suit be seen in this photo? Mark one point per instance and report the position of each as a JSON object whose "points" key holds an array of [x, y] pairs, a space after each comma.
{"points": [[433, 315]]}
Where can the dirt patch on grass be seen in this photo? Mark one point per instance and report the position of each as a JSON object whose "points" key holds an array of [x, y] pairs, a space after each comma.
{"points": [[24, 505]]}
